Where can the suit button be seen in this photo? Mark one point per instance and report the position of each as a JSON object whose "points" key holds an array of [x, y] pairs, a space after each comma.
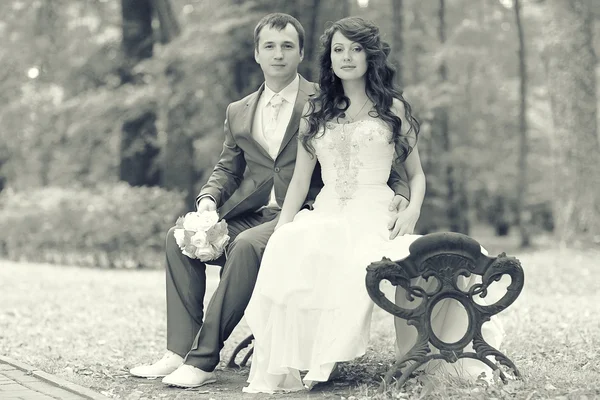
{"points": [[277, 169]]}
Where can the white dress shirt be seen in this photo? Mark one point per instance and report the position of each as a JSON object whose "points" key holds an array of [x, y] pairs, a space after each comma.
{"points": [[268, 137]]}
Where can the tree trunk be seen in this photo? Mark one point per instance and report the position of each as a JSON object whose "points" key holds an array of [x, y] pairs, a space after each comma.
{"points": [[309, 41], [138, 153], [138, 42], [168, 24], [48, 20], [523, 145], [398, 50], [462, 200], [570, 65], [453, 210], [346, 8], [178, 170], [416, 47]]}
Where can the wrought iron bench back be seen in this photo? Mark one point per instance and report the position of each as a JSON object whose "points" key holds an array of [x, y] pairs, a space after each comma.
{"points": [[445, 257]]}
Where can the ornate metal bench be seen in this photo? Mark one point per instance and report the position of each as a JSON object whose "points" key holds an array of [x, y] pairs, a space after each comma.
{"points": [[445, 257]]}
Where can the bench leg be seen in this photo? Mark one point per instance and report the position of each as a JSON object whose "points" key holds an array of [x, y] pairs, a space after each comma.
{"points": [[483, 350], [396, 372], [418, 354], [247, 357], [243, 344]]}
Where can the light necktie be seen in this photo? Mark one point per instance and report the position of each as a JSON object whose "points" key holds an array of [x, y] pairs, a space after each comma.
{"points": [[270, 123]]}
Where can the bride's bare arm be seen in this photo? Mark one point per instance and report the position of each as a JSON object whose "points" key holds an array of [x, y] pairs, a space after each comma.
{"points": [[412, 164], [405, 220], [416, 179], [300, 183]]}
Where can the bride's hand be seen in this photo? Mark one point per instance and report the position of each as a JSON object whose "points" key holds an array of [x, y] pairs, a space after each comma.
{"points": [[403, 222], [399, 203]]}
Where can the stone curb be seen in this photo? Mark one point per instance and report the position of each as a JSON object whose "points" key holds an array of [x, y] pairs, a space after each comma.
{"points": [[54, 380]]}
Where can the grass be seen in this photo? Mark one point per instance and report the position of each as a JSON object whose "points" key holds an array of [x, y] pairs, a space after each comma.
{"points": [[90, 326]]}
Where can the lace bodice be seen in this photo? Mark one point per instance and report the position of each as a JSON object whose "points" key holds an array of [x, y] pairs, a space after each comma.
{"points": [[354, 155]]}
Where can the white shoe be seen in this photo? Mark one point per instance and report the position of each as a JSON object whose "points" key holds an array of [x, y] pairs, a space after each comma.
{"points": [[162, 367], [187, 376]]}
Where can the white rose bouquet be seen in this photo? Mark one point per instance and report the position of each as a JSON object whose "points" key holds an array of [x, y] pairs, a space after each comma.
{"points": [[200, 235]]}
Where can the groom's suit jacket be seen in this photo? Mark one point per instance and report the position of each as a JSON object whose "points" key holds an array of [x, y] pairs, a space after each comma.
{"points": [[245, 173]]}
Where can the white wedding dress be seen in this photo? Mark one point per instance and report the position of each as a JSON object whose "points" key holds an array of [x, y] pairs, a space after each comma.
{"points": [[310, 308]]}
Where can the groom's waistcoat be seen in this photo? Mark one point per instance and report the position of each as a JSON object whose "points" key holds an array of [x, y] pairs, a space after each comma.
{"points": [[245, 173]]}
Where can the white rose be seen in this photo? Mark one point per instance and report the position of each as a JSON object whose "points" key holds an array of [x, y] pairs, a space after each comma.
{"points": [[221, 242], [206, 254], [209, 218], [189, 251], [179, 236], [202, 221], [199, 239], [190, 221]]}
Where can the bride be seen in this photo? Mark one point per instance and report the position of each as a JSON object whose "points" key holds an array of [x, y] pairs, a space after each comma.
{"points": [[310, 308]]}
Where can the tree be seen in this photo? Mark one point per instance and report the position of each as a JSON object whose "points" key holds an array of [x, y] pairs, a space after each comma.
{"points": [[398, 18], [139, 148], [523, 142], [178, 171], [455, 210], [169, 26], [570, 65], [48, 18], [443, 124], [310, 42], [346, 8]]}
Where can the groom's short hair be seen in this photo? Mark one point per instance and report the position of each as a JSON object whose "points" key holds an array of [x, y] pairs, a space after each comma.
{"points": [[279, 21]]}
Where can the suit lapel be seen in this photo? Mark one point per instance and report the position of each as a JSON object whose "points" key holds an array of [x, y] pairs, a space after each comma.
{"points": [[305, 91], [248, 115]]}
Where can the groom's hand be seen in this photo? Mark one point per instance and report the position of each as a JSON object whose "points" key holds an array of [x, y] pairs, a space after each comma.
{"points": [[401, 222], [404, 219], [206, 204]]}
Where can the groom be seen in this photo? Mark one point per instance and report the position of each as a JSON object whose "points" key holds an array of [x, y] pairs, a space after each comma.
{"points": [[247, 188]]}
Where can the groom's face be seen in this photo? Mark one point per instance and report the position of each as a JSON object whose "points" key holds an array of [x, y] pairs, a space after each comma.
{"points": [[278, 51]]}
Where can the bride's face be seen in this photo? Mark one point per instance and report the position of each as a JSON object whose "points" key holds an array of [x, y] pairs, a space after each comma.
{"points": [[348, 58]]}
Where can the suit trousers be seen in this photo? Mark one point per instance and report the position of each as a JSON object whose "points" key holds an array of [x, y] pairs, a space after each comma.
{"points": [[199, 337]]}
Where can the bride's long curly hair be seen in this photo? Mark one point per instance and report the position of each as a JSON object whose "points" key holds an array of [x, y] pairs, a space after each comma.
{"points": [[331, 102]]}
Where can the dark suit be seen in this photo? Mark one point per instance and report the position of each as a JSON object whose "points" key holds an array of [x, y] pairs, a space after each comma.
{"points": [[240, 184]]}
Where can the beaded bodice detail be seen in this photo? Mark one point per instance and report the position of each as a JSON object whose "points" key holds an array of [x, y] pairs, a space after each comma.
{"points": [[354, 155]]}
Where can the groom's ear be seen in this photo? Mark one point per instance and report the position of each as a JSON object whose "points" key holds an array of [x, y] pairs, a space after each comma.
{"points": [[301, 55], [256, 55]]}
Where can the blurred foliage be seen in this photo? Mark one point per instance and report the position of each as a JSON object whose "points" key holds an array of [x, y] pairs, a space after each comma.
{"points": [[110, 225], [63, 102]]}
